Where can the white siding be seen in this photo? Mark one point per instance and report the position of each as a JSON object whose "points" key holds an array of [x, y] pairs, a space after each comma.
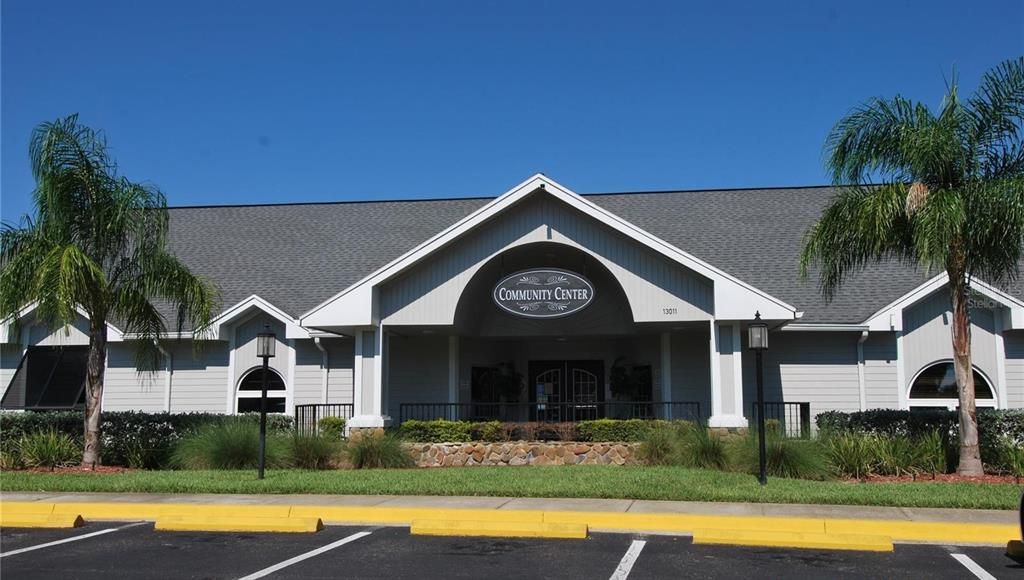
{"points": [[308, 387], [815, 367], [429, 293], [200, 379], [10, 357], [927, 337], [1013, 341], [127, 389], [880, 373], [339, 380]]}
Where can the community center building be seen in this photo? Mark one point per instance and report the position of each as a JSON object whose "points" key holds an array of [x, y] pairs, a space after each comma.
{"points": [[538, 305]]}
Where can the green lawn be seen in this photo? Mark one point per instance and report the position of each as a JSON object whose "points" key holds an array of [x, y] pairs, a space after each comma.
{"points": [[668, 483]]}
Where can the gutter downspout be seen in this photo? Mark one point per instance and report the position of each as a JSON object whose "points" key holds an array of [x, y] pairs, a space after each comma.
{"points": [[325, 364], [861, 382], [167, 378]]}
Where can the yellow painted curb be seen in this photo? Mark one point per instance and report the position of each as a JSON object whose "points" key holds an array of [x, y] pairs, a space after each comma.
{"points": [[793, 540], [936, 532], [152, 511], [226, 523], [683, 523], [1015, 549], [26, 507], [404, 516], [28, 520], [501, 529]]}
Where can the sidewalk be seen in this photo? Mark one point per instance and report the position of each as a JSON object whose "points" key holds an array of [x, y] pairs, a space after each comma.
{"points": [[501, 505]]}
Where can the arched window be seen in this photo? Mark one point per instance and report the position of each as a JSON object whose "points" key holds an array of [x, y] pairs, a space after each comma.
{"points": [[251, 387], [935, 386]]}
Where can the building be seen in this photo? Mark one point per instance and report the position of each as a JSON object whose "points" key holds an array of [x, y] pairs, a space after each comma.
{"points": [[540, 304]]}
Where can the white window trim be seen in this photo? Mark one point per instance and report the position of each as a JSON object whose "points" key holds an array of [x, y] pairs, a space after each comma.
{"points": [[950, 404], [286, 394]]}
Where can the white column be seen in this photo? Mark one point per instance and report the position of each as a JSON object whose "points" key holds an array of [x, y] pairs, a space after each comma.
{"points": [[901, 373], [289, 393], [726, 411], [369, 396], [861, 379], [231, 373], [1002, 316], [453, 369]]}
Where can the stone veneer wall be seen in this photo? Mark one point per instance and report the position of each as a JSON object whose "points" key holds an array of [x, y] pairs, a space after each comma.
{"points": [[523, 453]]}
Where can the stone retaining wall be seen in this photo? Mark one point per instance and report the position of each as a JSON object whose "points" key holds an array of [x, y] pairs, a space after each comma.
{"points": [[523, 453]]}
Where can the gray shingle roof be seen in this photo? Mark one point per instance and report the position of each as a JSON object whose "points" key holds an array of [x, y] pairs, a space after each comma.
{"points": [[297, 256]]}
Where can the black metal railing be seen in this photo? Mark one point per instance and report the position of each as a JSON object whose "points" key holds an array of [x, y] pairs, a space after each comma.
{"points": [[307, 417], [550, 412], [794, 419]]}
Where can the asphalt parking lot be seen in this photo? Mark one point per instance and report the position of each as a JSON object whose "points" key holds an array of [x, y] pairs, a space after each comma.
{"points": [[113, 550]]}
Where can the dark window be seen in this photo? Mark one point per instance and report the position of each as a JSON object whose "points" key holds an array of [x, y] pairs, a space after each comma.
{"points": [[254, 381], [939, 382], [49, 377], [250, 388], [252, 405]]}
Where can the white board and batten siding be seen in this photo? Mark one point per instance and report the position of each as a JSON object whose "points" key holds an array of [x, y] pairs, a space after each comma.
{"points": [[429, 293], [927, 337]]}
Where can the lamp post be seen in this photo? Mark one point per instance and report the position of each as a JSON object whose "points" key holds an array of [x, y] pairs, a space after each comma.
{"points": [[757, 334], [265, 343]]}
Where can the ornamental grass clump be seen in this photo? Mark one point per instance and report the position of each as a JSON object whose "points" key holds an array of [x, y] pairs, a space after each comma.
{"points": [[332, 427], [48, 448], [851, 454], [232, 444], [314, 451], [1012, 456], [790, 458], [377, 451], [702, 447]]}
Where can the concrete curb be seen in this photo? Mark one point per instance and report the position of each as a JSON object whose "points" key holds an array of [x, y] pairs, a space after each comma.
{"points": [[683, 524]]}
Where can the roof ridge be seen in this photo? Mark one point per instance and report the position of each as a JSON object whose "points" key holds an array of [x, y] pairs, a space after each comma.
{"points": [[484, 197]]}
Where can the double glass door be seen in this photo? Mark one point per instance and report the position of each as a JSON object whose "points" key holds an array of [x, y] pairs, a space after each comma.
{"points": [[566, 390]]}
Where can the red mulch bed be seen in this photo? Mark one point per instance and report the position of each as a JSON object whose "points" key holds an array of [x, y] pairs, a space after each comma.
{"points": [[941, 478], [98, 470]]}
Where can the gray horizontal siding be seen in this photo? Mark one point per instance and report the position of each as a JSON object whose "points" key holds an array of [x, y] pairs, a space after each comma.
{"points": [[881, 382], [200, 379], [127, 389], [1013, 342]]}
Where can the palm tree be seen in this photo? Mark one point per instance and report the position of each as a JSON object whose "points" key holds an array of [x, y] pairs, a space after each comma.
{"points": [[97, 242], [943, 189]]}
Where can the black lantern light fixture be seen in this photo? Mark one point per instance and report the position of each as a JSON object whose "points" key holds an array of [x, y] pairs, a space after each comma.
{"points": [[757, 341], [266, 342]]}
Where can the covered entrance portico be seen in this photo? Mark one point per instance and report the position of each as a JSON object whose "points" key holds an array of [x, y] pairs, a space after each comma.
{"points": [[596, 318]]}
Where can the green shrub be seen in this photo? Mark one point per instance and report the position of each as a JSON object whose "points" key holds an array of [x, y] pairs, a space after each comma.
{"points": [[791, 458], [314, 451], [487, 431], [605, 430], [1012, 455], [48, 448], [230, 444], [436, 431], [10, 459], [377, 451], [851, 454], [129, 438], [332, 427]]}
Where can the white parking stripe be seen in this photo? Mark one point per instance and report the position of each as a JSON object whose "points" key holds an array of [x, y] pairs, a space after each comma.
{"points": [[973, 566], [306, 556], [627, 561], [66, 540]]}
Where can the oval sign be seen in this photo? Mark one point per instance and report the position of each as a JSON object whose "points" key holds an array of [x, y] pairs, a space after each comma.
{"points": [[547, 293]]}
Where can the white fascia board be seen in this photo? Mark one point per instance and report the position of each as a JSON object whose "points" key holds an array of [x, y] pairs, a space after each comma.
{"points": [[114, 334], [891, 316], [218, 326], [816, 327], [733, 297]]}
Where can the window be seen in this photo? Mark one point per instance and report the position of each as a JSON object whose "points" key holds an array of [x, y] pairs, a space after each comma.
{"points": [[48, 377], [935, 386], [251, 387]]}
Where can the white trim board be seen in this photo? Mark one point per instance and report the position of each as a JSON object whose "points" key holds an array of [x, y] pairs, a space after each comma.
{"points": [[891, 316]]}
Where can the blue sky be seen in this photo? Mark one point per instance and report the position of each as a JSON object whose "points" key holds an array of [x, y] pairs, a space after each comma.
{"points": [[259, 102]]}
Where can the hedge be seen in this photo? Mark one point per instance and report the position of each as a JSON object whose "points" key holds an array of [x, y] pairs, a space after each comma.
{"points": [[598, 430], [994, 426], [129, 438]]}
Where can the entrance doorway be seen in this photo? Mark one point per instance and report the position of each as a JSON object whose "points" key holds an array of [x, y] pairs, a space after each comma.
{"points": [[566, 390]]}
